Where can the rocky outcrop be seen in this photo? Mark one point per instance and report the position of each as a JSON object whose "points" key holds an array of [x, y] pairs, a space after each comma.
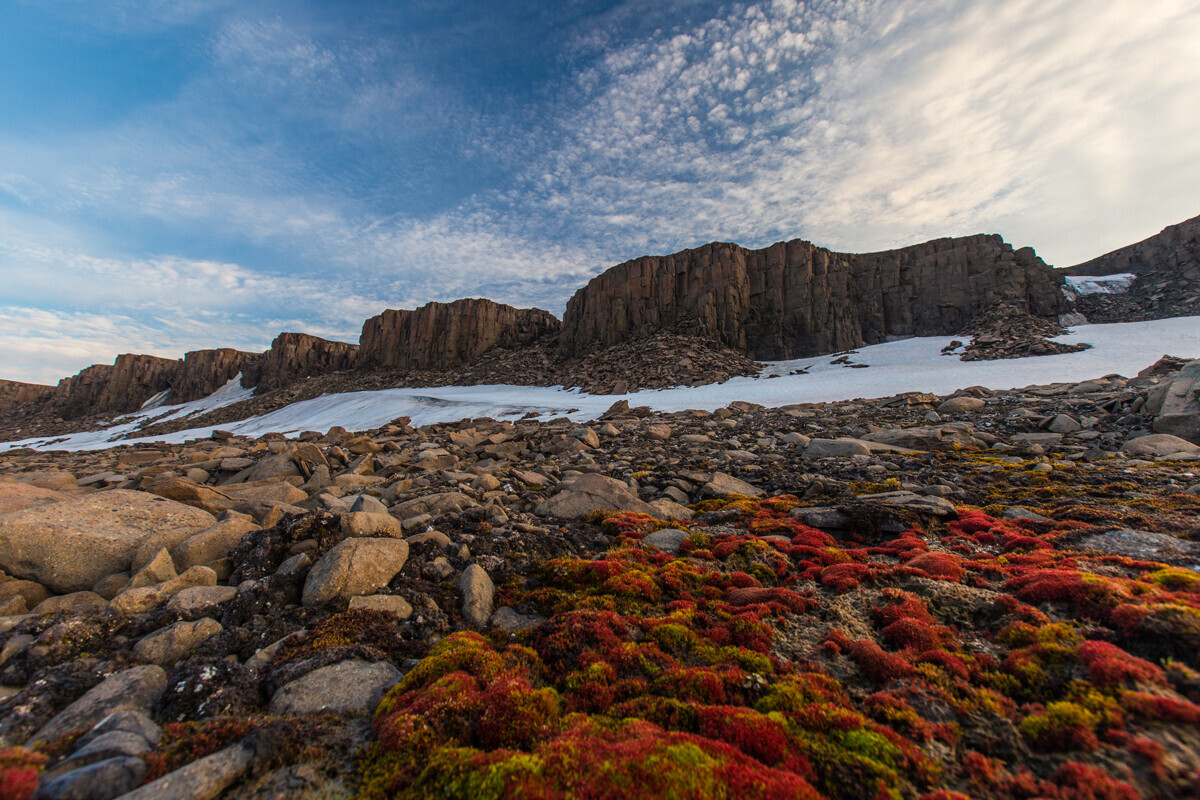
{"points": [[1176, 249], [795, 299], [439, 335], [121, 387], [205, 371], [1167, 267], [15, 395], [295, 356]]}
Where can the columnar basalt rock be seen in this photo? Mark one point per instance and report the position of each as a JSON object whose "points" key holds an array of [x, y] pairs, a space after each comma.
{"points": [[794, 299], [120, 387], [444, 334], [16, 395], [205, 371], [295, 356]]}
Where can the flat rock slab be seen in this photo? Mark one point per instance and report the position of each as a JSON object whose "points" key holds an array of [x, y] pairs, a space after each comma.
{"points": [[135, 689], [592, 492], [348, 687], [70, 545], [1145, 545]]}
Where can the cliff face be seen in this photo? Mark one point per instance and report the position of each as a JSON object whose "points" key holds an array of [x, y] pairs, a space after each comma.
{"points": [[440, 335], [794, 299], [294, 356], [205, 371], [1176, 250], [16, 395], [117, 388]]}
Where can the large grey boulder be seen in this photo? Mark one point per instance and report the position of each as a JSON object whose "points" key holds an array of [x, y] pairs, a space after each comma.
{"points": [[70, 545], [353, 567], [722, 484], [952, 436], [592, 492], [132, 689], [1159, 444], [203, 779], [348, 687], [1180, 411], [477, 591]]}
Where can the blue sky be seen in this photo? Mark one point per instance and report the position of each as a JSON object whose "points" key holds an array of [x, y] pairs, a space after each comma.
{"points": [[181, 174]]}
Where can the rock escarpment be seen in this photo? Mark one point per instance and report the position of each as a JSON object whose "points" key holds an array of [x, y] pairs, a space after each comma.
{"points": [[1176, 249], [204, 371], [1167, 267], [795, 299], [16, 395], [122, 386], [439, 335], [295, 356]]}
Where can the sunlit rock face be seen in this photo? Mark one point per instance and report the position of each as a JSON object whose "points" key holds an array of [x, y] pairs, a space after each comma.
{"points": [[795, 299]]}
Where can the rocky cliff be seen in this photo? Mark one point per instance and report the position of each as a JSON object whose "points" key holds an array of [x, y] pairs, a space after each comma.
{"points": [[439, 335], [120, 387], [205, 371], [1175, 250], [295, 356], [16, 395], [795, 299]]}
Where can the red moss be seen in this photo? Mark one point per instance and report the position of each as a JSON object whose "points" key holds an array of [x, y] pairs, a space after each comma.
{"points": [[943, 566], [1109, 665], [878, 665], [843, 577], [19, 771]]}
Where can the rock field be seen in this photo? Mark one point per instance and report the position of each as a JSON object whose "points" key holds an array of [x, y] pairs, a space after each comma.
{"points": [[994, 594]]}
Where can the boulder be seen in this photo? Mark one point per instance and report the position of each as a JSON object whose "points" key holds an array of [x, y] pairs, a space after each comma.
{"points": [[70, 545], [203, 779], [722, 484], [362, 523], [433, 504], [1156, 444], [952, 436], [1179, 414], [668, 539], [477, 591], [348, 687], [135, 689], [593, 492], [354, 567], [960, 405], [391, 603], [201, 598], [214, 542], [836, 448], [170, 644]]}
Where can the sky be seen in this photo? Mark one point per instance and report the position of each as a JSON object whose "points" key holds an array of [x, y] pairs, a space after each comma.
{"points": [[185, 174]]}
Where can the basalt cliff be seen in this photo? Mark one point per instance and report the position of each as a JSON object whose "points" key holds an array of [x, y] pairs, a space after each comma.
{"points": [[795, 299], [720, 303]]}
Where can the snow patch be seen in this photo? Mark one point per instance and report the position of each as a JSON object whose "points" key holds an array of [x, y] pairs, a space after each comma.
{"points": [[908, 365], [1104, 284]]}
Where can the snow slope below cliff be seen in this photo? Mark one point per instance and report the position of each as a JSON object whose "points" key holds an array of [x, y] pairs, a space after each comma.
{"points": [[901, 366]]}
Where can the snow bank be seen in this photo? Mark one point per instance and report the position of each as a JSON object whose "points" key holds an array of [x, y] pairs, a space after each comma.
{"points": [[902, 366], [1104, 284]]}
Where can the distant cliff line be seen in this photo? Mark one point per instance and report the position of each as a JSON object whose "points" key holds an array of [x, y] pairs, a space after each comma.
{"points": [[791, 299]]}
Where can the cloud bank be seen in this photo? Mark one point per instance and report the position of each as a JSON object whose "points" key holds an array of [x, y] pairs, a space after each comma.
{"points": [[312, 170]]}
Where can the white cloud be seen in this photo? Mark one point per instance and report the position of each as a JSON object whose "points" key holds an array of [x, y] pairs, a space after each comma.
{"points": [[858, 124], [864, 125]]}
